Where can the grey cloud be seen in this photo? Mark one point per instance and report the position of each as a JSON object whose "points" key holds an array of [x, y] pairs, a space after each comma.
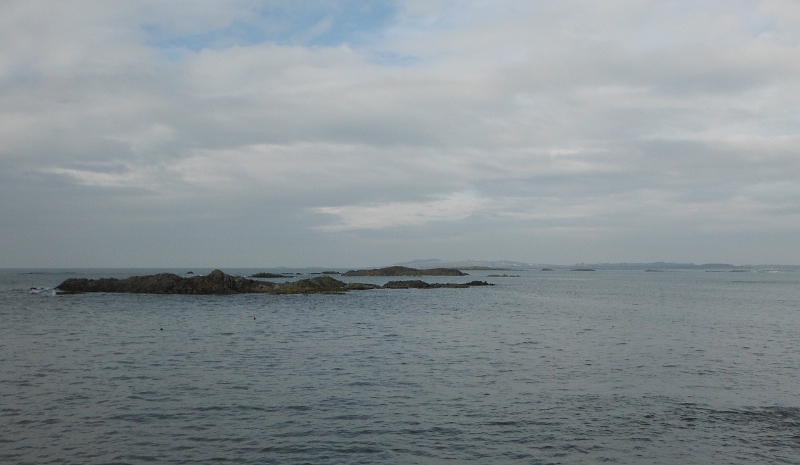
{"points": [[556, 132]]}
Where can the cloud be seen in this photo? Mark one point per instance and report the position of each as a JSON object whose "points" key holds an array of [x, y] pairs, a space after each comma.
{"points": [[127, 179], [453, 207], [625, 120]]}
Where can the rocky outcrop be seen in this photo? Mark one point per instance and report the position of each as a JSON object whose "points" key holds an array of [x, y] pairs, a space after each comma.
{"points": [[219, 283], [216, 282], [412, 284], [268, 275], [417, 284], [315, 285], [406, 271]]}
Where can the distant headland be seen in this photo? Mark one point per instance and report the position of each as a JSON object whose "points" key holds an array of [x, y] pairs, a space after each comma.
{"points": [[219, 283], [406, 271]]}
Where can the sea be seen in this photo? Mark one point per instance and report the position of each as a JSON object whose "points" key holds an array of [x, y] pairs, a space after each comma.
{"points": [[547, 367]]}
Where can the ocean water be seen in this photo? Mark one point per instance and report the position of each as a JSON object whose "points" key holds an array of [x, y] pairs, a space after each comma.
{"points": [[550, 367]]}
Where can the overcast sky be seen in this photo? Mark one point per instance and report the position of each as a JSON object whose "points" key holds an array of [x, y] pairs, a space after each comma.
{"points": [[347, 133]]}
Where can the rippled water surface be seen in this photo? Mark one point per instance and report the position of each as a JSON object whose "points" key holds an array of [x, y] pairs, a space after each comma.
{"points": [[548, 367]]}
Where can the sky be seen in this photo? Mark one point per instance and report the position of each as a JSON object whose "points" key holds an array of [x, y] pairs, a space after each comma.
{"points": [[342, 133]]}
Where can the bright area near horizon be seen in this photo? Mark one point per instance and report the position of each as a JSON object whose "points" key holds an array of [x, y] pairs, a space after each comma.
{"points": [[264, 133]]}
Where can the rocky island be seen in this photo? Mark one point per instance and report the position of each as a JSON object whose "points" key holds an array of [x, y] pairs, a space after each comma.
{"points": [[417, 284], [268, 275], [219, 283], [406, 271]]}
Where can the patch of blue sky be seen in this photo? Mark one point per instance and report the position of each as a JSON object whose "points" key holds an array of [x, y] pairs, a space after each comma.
{"points": [[327, 24]]}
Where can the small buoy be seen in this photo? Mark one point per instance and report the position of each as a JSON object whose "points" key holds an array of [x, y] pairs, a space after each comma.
{"points": [[162, 329], [254, 318]]}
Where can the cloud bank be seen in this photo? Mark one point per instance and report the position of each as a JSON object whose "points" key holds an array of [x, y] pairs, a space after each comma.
{"points": [[264, 133]]}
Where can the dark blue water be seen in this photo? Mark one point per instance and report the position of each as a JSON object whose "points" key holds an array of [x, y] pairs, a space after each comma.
{"points": [[558, 367]]}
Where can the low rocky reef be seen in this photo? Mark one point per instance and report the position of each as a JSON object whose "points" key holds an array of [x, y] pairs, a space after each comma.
{"points": [[269, 275], [406, 271], [417, 284], [219, 283]]}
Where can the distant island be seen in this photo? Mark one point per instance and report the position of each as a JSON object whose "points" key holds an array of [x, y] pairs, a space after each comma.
{"points": [[219, 283], [466, 264], [406, 271]]}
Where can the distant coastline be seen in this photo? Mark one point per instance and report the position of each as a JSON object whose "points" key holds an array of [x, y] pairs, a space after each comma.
{"points": [[507, 265], [424, 267]]}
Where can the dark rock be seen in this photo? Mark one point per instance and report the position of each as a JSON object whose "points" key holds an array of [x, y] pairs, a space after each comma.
{"points": [[417, 284], [315, 285], [219, 283], [479, 283], [412, 284], [268, 275], [216, 282], [461, 285], [361, 286]]}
